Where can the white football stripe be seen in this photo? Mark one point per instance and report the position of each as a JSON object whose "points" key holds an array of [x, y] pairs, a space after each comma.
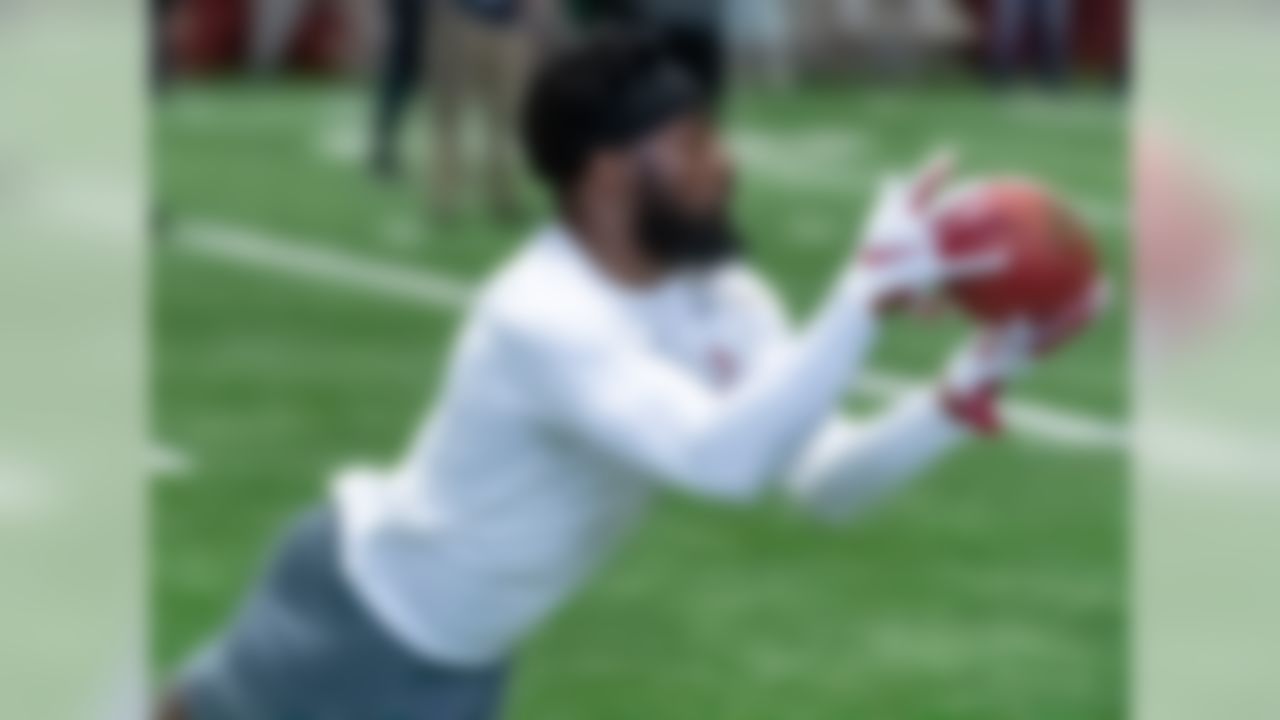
{"points": [[1034, 420], [313, 262]]}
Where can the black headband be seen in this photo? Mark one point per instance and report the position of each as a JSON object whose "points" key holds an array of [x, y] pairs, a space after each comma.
{"points": [[666, 92]]}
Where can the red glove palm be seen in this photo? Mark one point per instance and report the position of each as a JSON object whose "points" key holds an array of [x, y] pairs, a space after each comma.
{"points": [[976, 376]]}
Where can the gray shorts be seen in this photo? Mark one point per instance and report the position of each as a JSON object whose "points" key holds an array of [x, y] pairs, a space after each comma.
{"points": [[303, 648]]}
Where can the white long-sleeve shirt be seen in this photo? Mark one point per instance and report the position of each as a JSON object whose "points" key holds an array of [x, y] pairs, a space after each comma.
{"points": [[567, 401]]}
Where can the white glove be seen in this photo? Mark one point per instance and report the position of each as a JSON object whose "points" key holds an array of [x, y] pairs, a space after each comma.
{"points": [[900, 260], [976, 375]]}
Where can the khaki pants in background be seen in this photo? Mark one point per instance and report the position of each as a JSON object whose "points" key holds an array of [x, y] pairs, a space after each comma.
{"points": [[481, 67]]}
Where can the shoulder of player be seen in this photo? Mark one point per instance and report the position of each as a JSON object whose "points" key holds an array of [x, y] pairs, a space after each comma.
{"points": [[742, 286], [539, 297]]}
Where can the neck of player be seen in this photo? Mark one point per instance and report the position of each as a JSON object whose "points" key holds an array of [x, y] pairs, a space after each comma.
{"points": [[607, 234]]}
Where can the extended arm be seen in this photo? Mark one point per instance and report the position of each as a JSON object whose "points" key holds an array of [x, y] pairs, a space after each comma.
{"points": [[848, 468], [608, 388], [598, 383]]}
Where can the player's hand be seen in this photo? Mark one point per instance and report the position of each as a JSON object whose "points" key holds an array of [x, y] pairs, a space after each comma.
{"points": [[977, 375], [900, 260]]}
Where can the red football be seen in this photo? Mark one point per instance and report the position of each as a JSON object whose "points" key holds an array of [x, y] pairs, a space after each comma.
{"points": [[1050, 262]]}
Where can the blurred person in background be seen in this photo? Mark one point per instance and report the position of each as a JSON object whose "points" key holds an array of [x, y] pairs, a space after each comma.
{"points": [[904, 35], [481, 52], [627, 346], [1046, 24], [760, 36], [275, 26], [884, 39], [401, 70], [161, 61], [603, 12]]}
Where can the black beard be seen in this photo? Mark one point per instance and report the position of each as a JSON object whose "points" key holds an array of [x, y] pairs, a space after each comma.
{"points": [[678, 239]]}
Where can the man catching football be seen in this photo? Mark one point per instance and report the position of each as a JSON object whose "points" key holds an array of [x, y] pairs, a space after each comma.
{"points": [[625, 348]]}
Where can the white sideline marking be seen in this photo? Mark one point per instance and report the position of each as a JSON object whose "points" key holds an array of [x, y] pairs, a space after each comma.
{"points": [[819, 162], [313, 262], [1035, 420]]}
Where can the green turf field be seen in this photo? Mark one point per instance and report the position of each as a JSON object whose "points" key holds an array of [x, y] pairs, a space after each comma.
{"points": [[994, 590]]}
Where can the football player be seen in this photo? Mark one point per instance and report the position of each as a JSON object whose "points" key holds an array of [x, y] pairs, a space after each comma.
{"points": [[627, 347]]}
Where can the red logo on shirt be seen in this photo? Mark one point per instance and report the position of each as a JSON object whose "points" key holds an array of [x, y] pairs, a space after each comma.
{"points": [[724, 367]]}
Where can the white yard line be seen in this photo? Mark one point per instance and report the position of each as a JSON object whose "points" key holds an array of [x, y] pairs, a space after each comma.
{"points": [[1045, 423], [819, 162], [313, 262]]}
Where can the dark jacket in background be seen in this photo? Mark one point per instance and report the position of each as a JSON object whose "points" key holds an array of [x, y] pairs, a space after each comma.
{"points": [[499, 12]]}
